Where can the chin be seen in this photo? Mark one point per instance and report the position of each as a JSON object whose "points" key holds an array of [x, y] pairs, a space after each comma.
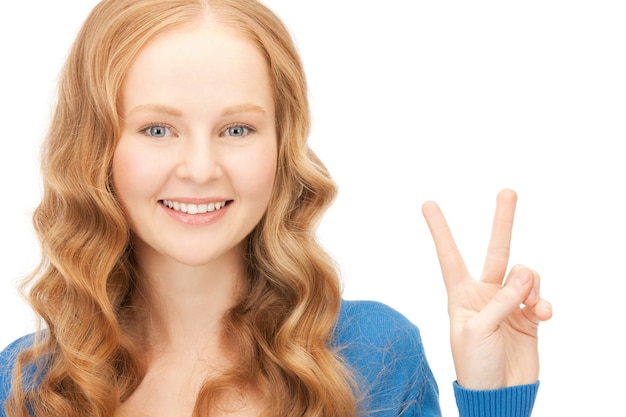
{"points": [[200, 259]]}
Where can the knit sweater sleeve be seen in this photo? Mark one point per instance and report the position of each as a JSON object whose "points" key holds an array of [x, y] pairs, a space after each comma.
{"points": [[514, 401]]}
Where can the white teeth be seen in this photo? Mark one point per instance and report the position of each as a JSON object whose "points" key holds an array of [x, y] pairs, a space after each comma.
{"points": [[193, 208]]}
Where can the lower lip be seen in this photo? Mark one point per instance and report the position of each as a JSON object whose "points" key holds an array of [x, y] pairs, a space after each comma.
{"points": [[199, 219]]}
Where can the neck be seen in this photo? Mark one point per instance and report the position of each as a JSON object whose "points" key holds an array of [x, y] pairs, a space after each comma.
{"points": [[183, 304]]}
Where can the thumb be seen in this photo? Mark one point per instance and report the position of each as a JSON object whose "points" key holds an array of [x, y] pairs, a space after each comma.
{"points": [[508, 299]]}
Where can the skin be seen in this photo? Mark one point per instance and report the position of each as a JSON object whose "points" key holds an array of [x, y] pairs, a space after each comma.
{"points": [[196, 129], [493, 339]]}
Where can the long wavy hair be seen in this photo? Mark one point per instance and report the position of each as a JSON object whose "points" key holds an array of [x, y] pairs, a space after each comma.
{"points": [[87, 356]]}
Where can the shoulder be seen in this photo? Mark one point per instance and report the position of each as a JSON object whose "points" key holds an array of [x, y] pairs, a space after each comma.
{"points": [[8, 358], [384, 351], [374, 323]]}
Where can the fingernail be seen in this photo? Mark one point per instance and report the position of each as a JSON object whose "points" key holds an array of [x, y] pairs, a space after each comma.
{"points": [[532, 296], [522, 278]]}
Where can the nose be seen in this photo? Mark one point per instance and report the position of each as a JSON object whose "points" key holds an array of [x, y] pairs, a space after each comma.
{"points": [[199, 160]]}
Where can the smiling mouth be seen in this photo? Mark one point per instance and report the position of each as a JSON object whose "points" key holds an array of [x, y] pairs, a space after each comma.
{"points": [[190, 208]]}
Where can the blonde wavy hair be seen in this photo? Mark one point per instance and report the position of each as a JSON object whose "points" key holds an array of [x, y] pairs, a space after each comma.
{"points": [[87, 356]]}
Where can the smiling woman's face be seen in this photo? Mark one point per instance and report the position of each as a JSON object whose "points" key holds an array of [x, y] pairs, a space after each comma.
{"points": [[195, 165]]}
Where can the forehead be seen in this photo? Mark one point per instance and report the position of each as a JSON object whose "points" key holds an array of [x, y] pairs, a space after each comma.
{"points": [[206, 61]]}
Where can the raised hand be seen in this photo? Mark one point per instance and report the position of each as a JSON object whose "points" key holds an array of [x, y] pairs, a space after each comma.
{"points": [[493, 321]]}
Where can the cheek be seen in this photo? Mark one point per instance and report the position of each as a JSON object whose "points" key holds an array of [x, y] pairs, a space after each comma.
{"points": [[267, 172], [130, 173], [256, 175]]}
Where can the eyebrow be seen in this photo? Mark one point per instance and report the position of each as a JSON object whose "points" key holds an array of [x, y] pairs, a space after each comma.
{"points": [[243, 108], [239, 108], [159, 108]]}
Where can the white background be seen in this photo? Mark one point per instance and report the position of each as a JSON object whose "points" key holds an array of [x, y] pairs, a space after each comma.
{"points": [[412, 101]]}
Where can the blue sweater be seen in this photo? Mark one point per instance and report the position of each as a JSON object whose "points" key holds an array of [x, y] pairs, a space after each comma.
{"points": [[385, 352]]}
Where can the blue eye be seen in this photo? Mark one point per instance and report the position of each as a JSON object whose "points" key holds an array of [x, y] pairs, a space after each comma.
{"points": [[237, 131], [157, 131]]}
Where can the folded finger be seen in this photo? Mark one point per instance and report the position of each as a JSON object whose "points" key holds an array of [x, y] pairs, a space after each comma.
{"points": [[534, 295], [508, 299]]}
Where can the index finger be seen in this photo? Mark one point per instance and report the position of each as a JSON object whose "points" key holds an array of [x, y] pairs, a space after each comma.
{"points": [[452, 265]]}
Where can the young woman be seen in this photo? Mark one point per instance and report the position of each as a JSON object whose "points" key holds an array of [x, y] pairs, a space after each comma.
{"points": [[181, 275]]}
